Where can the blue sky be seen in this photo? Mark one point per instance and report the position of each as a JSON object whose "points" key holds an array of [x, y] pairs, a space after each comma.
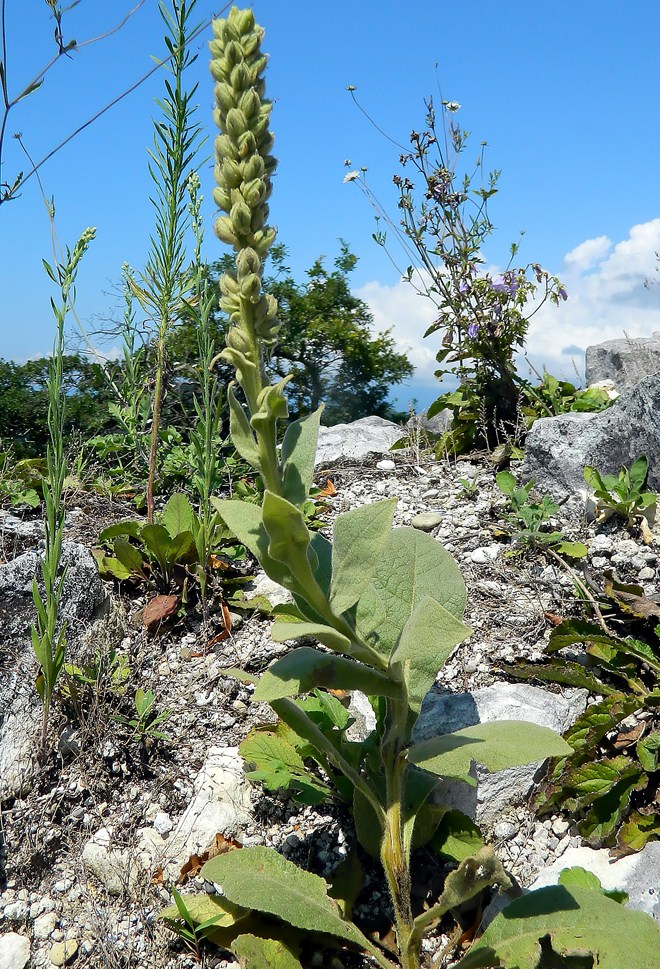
{"points": [[564, 94]]}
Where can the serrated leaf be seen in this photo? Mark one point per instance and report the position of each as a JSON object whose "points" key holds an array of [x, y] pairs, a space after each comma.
{"points": [[573, 631], [298, 456], [413, 566], [596, 777], [557, 671], [177, 516], [426, 642], [305, 668], [263, 748], [497, 745], [359, 539], [261, 879], [648, 750], [637, 831]]}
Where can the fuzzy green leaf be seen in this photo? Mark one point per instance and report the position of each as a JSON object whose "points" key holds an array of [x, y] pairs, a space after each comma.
{"points": [[577, 877], [261, 879], [177, 516], [359, 539], [305, 668], [426, 643], [298, 455], [577, 922], [457, 837], [245, 520], [256, 953], [497, 745], [241, 432], [282, 632], [289, 542], [201, 909], [130, 528], [413, 566]]}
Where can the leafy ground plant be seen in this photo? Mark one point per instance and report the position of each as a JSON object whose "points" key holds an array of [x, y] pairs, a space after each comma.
{"points": [[609, 781], [386, 603], [623, 494], [530, 519]]}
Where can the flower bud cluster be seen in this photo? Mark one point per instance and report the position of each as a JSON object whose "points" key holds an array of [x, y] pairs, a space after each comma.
{"points": [[243, 169]]}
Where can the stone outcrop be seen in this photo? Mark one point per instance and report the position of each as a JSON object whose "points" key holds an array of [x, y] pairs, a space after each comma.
{"points": [[625, 362]]}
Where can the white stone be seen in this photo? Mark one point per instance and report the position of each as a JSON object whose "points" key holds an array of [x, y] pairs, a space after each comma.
{"points": [[485, 554], [163, 823], [44, 925], [116, 868], [356, 442], [14, 951], [261, 585], [221, 805], [386, 465]]}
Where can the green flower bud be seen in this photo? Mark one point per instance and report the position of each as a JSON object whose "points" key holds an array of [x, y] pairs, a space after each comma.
{"points": [[241, 217], [229, 285], [224, 229], [235, 123], [250, 103], [247, 261], [251, 287]]}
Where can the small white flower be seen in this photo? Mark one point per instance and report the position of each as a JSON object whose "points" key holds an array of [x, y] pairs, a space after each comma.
{"points": [[351, 176], [452, 106]]}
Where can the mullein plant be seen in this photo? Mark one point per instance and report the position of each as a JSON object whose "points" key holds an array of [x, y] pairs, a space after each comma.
{"points": [[167, 281], [386, 603], [49, 630]]}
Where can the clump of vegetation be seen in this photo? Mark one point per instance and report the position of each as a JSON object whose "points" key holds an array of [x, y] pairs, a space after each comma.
{"points": [[624, 494]]}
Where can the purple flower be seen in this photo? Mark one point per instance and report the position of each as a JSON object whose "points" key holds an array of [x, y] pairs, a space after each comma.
{"points": [[463, 287], [500, 285], [562, 292], [473, 329]]}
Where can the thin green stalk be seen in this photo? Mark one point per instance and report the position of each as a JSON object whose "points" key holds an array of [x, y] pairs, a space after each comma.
{"points": [[49, 632]]}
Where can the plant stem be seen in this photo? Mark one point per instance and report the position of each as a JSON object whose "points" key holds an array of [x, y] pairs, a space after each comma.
{"points": [[583, 587]]}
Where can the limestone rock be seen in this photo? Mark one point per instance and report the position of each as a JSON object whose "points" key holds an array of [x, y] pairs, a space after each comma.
{"points": [[638, 875], [221, 805], [625, 362], [495, 792], [370, 437], [558, 448], [115, 868], [14, 951]]}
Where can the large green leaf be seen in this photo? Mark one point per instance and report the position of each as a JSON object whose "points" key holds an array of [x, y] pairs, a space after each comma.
{"points": [[245, 520], [282, 632], [261, 879], [177, 516], [497, 745], [575, 922], [241, 432], [426, 643], [157, 540], [203, 908], [298, 455], [413, 566], [256, 953], [130, 527], [289, 543], [457, 837], [358, 542], [305, 668], [129, 556]]}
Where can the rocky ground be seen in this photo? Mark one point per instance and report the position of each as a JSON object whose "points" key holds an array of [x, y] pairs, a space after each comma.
{"points": [[91, 846]]}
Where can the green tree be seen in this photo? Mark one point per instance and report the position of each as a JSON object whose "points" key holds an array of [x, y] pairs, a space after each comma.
{"points": [[24, 402], [326, 341]]}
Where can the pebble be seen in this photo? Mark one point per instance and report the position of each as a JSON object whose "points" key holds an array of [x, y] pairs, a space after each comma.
{"points": [[163, 823], [63, 885], [63, 952], [504, 830], [15, 951], [426, 521], [45, 925], [386, 465], [485, 554], [17, 911], [646, 574]]}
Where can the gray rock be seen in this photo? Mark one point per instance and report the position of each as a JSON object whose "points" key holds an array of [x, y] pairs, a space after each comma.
{"points": [[20, 711], [638, 875], [14, 951], [44, 925], [558, 448], [262, 585], [497, 792], [116, 868], [363, 440], [625, 362], [437, 425]]}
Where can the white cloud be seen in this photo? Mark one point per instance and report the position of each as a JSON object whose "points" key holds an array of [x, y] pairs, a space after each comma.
{"points": [[587, 254], [607, 298]]}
